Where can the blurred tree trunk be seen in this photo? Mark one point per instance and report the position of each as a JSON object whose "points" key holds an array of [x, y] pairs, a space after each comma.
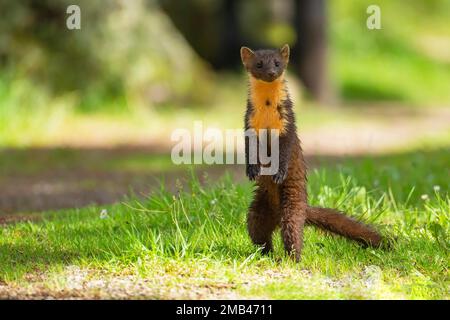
{"points": [[211, 28], [310, 51], [228, 55]]}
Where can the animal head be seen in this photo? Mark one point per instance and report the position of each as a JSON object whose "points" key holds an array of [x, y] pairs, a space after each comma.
{"points": [[266, 65]]}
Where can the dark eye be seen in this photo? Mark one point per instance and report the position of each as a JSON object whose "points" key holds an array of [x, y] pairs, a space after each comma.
{"points": [[259, 64], [277, 63]]}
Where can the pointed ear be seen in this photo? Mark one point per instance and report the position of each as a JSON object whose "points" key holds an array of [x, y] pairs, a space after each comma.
{"points": [[246, 55], [285, 53]]}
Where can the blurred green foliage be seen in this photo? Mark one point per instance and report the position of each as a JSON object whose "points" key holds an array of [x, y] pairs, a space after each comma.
{"points": [[136, 55], [407, 60], [127, 53]]}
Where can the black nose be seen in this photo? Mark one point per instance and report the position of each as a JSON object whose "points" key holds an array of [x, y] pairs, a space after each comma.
{"points": [[272, 73]]}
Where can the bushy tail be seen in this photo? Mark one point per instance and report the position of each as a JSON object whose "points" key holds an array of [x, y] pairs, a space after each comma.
{"points": [[337, 222]]}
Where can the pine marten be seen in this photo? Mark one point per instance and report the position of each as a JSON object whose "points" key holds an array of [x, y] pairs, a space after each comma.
{"points": [[281, 199]]}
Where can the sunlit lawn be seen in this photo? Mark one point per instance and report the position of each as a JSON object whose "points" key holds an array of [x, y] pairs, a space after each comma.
{"points": [[196, 239]]}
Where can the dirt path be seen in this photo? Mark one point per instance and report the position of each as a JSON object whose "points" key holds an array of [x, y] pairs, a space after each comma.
{"points": [[87, 284], [79, 187], [384, 131]]}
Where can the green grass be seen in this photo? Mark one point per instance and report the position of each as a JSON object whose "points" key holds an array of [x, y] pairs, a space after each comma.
{"points": [[395, 63], [197, 238]]}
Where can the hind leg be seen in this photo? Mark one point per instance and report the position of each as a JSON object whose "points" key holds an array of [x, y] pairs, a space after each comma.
{"points": [[293, 215], [262, 220]]}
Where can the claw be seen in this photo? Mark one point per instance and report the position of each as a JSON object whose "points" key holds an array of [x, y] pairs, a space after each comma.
{"points": [[253, 172], [279, 177]]}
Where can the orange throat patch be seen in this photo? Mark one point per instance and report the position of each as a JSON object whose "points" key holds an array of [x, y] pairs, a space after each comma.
{"points": [[267, 98]]}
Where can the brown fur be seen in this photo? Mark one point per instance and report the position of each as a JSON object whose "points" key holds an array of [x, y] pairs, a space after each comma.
{"points": [[281, 199]]}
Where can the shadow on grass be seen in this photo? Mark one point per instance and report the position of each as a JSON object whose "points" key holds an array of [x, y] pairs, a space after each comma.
{"points": [[54, 178]]}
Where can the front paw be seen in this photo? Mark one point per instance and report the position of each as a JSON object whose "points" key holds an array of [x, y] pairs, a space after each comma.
{"points": [[253, 171], [279, 177]]}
